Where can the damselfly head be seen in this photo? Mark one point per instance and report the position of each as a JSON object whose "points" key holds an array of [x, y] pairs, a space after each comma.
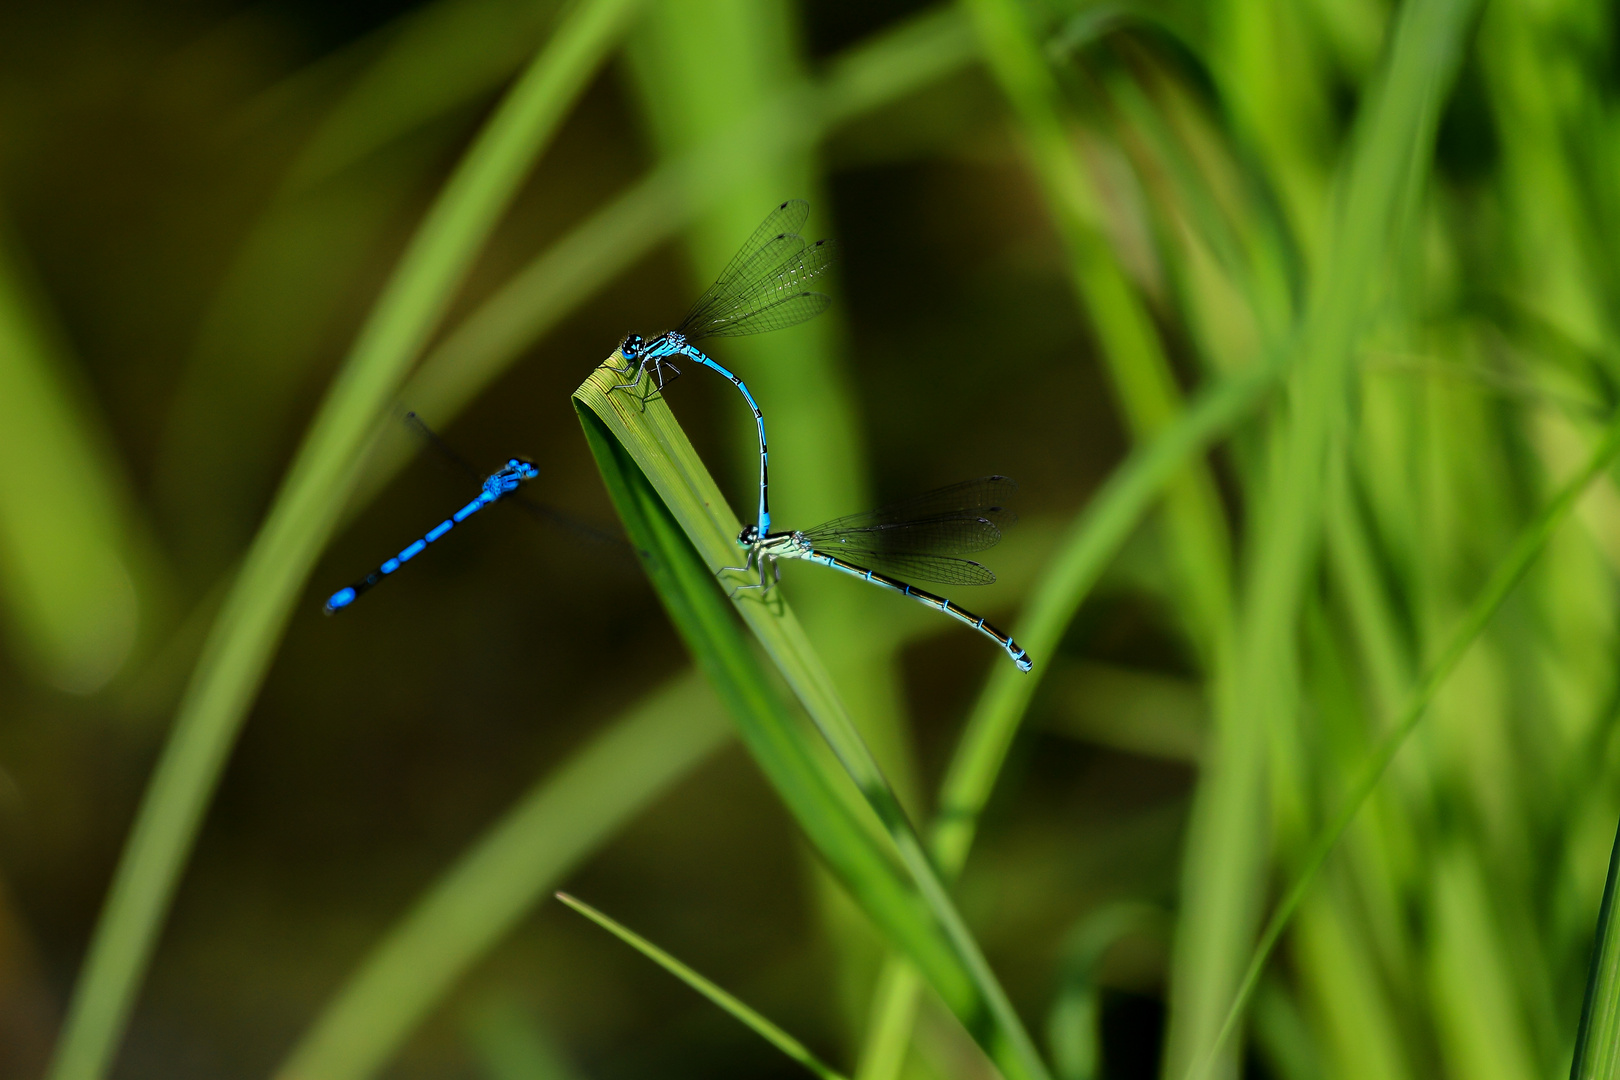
{"points": [[506, 479], [749, 536], [632, 347]]}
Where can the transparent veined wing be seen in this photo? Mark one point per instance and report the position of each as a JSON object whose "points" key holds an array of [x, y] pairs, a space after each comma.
{"points": [[778, 315], [775, 300], [766, 249], [763, 289], [938, 535], [980, 506], [915, 567]]}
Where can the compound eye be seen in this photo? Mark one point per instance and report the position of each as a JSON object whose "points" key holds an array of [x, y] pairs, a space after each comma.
{"points": [[631, 346]]}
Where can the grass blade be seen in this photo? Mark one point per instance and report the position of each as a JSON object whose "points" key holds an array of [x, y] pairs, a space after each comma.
{"points": [[1229, 841], [1073, 1027], [832, 817], [1098, 533], [1597, 1046], [766, 1030], [244, 637], [424, 65], [647, 432], [653, 211], [68, 574], [1503, 578], [563, 818], [1138, 369]]}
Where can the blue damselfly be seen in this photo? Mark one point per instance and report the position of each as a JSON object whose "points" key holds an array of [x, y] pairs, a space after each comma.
{"points": [[921, 537], [762, 288], [501, 485]]}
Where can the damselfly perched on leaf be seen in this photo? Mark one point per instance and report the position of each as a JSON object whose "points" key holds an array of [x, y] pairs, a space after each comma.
{"points": [[762, 288]]}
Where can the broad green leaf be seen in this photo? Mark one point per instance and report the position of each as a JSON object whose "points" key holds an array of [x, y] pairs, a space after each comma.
{"points": [[662, 463], [816, 794]]}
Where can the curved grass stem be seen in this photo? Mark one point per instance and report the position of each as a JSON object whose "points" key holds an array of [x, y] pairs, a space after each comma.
{"points": [[249, 627]]}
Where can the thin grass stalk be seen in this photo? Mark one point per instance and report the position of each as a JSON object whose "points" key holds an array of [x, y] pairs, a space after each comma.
{"points": [[1374, 624], [1138, 370], [1229, 838], [1145, 388], [1507, 574], [752, 1019], [239, 650], [563, 818], [1096, 536]]}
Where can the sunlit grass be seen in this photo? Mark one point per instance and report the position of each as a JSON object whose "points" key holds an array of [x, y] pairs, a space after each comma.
{"points": [[1507, 575]]}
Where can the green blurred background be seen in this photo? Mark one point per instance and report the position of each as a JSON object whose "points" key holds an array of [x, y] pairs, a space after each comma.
{"points": [[1057, 222]]}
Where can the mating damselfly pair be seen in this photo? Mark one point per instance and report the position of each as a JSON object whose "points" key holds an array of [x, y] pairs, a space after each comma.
{"points": [[763, 288]]}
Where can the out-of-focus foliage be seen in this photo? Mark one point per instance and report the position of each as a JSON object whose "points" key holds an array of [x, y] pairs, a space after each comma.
{"points": [[67, 557], [1290, 319]]}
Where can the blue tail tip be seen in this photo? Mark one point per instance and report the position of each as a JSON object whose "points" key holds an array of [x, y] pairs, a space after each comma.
{"points": [[341, 599]]}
